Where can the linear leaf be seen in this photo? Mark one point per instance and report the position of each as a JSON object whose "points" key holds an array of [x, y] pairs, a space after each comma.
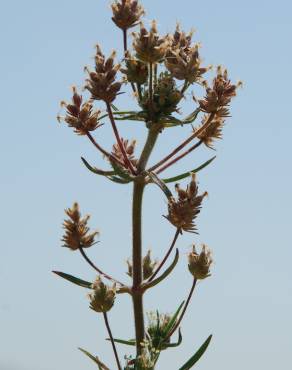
{"points": [[172, 321], [95, 359], [160, 183], [178, 341], [74, 280], [96, 170], [195, 358], [130, 342], [186, 174], [165, 274]]}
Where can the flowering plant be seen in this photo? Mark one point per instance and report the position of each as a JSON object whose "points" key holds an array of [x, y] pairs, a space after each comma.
{"points": [[159, 70]]}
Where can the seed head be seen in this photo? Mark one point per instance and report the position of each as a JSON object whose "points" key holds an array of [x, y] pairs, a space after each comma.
{"points": [[102, 298], [219, 96], [76, 230], [199, 264], [211, 132], [129, 147], [127, 13], [182, 58], [149, 46], [80, 116], [135, 71], [183, 211], [148, 266], [101, 82]]}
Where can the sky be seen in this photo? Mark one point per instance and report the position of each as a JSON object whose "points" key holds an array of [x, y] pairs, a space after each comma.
{"points": [[246, 220]]}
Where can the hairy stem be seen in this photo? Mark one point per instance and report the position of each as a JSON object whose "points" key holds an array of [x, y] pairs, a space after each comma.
{"points": [[88, 260], [137, 293], [112, 340], [166, 256]]}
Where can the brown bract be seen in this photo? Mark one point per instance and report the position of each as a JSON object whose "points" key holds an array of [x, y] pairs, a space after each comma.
{"points": [[199, 263], [211, 132], [80, 116], [129, 147], [219, 95], [183, 211], [149, 46], [127, 13], [102, 298], [77, 233], [182, 58], [101, 82], [148, 266]]}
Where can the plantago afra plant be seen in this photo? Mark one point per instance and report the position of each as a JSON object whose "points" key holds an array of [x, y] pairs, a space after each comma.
{"points": [[158, 70]]}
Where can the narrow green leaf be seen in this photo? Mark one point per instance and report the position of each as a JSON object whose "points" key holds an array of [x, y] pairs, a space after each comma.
{"points": [[73, 279], [118, 180], [172, 321], [160, 183], [130, 342], [186, 174], [114, 107], [95, 359], [195, 358], [165, 274], [191, 117], [96, 170], [121, 172], [178, 341]]}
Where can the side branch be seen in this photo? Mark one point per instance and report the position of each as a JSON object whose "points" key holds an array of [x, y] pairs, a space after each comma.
{"points": [[166, 256], [112, 340], [120, 144], [183, 144], [88, 260]]}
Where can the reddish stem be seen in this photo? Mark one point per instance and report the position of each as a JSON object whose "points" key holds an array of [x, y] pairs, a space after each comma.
{"points": [[120, 144], [166, 256]]}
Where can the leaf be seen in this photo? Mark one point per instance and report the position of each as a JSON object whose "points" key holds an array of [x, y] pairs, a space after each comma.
{"points": [[177, 343], [95, 359], [96, 170], [165, 274], [172, 321], [74, 280], [130, 342], [186, 174], [160, 183], [118, 180], [121, 172], [195, 358], [172, 121]]}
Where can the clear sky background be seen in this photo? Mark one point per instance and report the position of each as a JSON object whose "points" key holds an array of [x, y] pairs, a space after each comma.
{"points": [[247, 303]]}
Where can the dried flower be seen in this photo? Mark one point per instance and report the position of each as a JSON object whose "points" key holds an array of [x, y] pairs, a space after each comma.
{"points": [[212, 131], [148, 266], [76, 230], [135, 71], [199, 264], [182, 59], [149, 46], [80, 116], [219, 95], [183, 211], [102, 298], [101, 82], [129, 147], [126, 13]]}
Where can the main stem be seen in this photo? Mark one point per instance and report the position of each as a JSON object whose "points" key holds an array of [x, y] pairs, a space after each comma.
{"points": [[138, 191]]}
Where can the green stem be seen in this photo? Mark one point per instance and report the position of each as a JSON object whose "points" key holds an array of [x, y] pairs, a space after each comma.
{"points": [[112, 340], [137, 292]]}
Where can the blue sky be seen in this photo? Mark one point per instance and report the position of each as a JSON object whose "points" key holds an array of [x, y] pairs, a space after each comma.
{"points": [[246, 221]]}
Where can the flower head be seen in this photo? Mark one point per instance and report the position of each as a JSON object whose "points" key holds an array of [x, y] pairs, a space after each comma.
{"points": [[182, 58], [135, 71], [127, 13], [129, 147], [76, 230], [102, 298], [211, 131], [80, 115], [183, 211], [101, 82], [149, 46], [199, 263], [148, 266], [219, 95]]}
